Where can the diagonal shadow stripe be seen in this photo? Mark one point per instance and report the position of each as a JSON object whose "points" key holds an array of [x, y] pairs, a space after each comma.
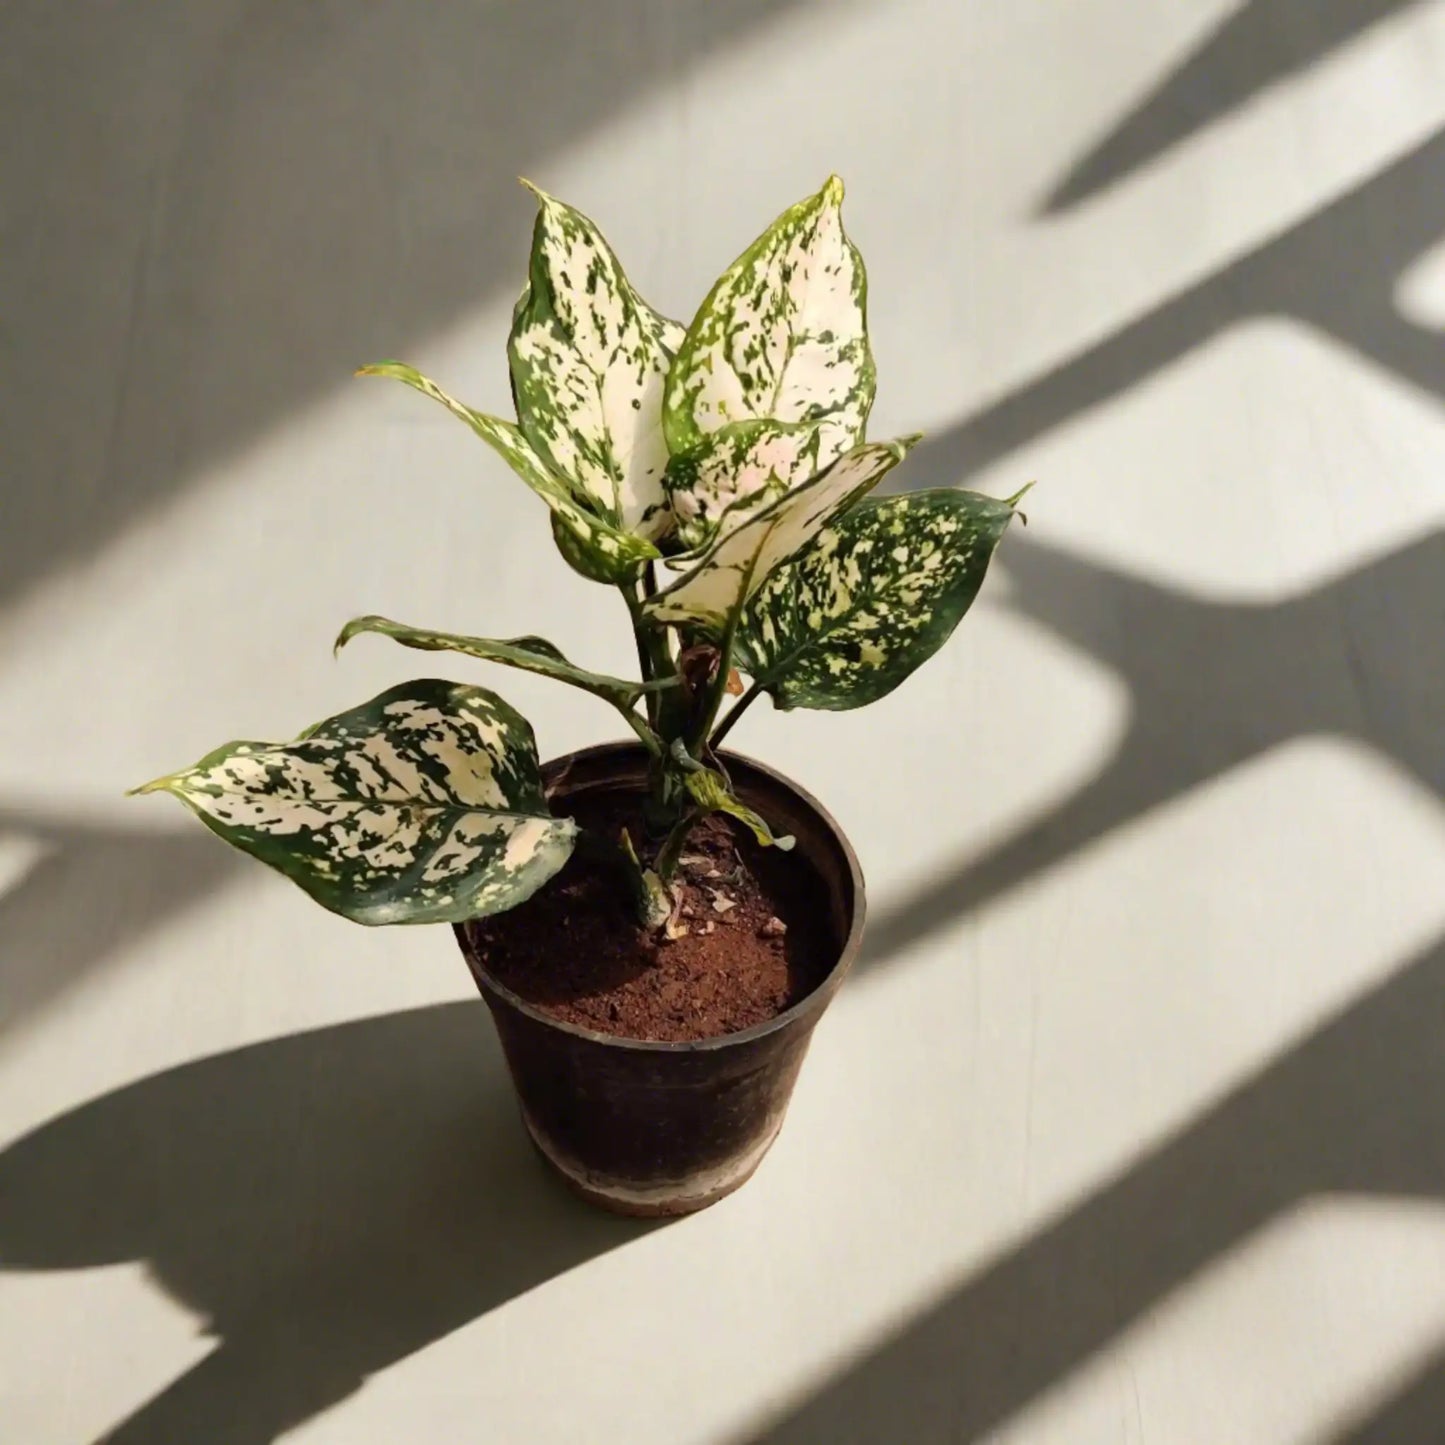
{"points": [[215, 209], [1211, 685], [1261, 44], [131, 882], [1411, 1416], [328, 1202], [1335, 271], [1358, 1107]]}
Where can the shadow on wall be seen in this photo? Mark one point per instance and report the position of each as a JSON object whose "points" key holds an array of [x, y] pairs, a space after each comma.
{"points": [[329, 1202], [132, 882], [1260, 44], [1211, 685], [1357, 1108], [334, 1201], [214, 211], [1336, 271]]}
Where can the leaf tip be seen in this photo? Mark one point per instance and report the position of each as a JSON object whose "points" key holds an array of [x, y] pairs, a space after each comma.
{"points": [[833, 191], [1018, 496], [356, 625], [156, 785], [534, 188]]}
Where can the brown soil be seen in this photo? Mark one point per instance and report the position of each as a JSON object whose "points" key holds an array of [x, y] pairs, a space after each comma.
{"points": [[752, 936]]}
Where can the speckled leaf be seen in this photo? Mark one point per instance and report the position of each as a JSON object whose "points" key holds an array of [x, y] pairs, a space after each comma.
{"points": [[735, 566], [424, 805], [599, 551], [875, 595], [745, 463], [782, 334], [589, 357], [710, 791], [531, 654]]}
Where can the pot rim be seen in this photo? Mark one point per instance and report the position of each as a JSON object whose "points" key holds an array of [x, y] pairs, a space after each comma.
{"points": [[811, 1003]]}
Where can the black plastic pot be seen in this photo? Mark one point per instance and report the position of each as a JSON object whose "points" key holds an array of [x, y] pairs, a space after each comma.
{"points": [[667, 1128]]}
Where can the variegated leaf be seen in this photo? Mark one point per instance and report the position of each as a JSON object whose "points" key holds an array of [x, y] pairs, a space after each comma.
{"points": [[782, 334], [743, 557], [710, 792], [424, 805], [599, 551], [747, 462], [531, 654], [589, 358], [878, 592]]}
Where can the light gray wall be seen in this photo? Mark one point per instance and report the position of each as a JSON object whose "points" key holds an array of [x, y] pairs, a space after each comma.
{"points": [[1129, 1128]]}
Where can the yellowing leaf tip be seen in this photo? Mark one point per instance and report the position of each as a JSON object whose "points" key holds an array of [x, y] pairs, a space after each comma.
{"points": [[833, 191], [156, 785]]}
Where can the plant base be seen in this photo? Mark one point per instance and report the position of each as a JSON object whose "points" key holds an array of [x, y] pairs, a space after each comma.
{"points": [[660, 1128]]}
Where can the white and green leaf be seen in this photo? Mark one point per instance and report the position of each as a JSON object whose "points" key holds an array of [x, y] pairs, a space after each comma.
{"points": [[740, 561], [424, 805], [530, 654], [875, 595], [782, 334], [599, 551], [589, 358], [746, 463]]}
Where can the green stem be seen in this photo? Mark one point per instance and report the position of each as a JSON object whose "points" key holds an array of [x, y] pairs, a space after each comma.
{"points": [[719, 687], [651, 897], [672, 846], [734, 713], [671, 703], [644, 731], [644, 660]]}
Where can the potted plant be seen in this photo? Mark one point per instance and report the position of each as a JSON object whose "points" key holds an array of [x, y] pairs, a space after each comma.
{"points": [[656, 925]]}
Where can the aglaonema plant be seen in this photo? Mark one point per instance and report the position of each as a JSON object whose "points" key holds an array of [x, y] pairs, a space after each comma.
{"points": [[718, 476]]}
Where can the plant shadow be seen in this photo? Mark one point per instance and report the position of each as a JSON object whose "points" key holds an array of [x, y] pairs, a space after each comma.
{"points": [[329, 1202]]}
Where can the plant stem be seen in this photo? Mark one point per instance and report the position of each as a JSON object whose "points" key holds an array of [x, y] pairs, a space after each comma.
{"points": [[643, 729], [671, 850], [644, 661], [734, 713], [651, 897], [720, 682]]}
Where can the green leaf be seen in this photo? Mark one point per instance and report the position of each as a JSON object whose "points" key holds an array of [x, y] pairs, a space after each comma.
{"points": [[597, 549], [531, 654], [710, 792], [746, 464], [783, 334], [736, 565], [424, 805], [589, 358], [878, 592]]}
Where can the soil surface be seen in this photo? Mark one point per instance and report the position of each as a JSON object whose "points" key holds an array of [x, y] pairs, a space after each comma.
{"points": [[750, 938]]}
